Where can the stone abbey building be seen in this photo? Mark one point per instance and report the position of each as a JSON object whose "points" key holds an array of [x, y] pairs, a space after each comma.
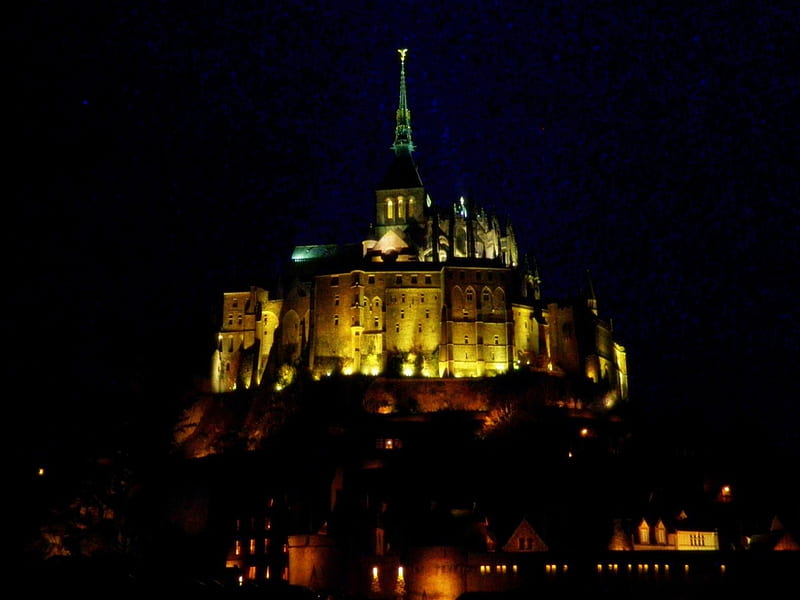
{"points": [[432, 292]]}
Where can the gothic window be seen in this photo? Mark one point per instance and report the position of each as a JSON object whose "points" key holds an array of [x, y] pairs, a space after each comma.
{"points": [[389, 209], [402, 298], [230, 318], [496, 340], [422, 298], [401, 213], [427, 313], [469, 295], [466, 339], [252, 545], [486, 297], [402, 314], [410, 206], [377, 323], [239, 320]]}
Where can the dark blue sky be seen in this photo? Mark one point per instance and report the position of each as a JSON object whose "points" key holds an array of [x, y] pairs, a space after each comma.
{"points": [[171, 151]]}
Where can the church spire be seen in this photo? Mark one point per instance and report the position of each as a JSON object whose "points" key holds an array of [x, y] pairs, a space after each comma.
{"points": [[402, 131]]}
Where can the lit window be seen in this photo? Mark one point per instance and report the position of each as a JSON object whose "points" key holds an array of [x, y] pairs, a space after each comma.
{"points": [[401, 213], [252, 546], [237, 547], [389, 209], [267, 523], [266, 545], [266, 572], [251, 573]]}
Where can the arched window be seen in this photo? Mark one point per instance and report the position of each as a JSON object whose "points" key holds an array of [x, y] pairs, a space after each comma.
{"points": [[410, 206], [401, 213], [389, 209]]}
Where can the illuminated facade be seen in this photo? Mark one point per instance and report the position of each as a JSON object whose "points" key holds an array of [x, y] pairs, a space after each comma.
{"points": [[430, 292]]}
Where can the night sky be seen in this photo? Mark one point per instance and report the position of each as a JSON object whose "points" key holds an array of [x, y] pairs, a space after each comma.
{"points": [[166, 152]]}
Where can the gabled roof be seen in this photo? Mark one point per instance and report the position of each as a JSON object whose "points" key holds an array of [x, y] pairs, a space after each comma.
{"points": [[525, 539], [784, 541]]}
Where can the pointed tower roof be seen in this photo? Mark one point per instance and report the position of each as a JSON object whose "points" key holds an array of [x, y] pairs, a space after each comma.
{"points": [[402, 131], [402, 173]]}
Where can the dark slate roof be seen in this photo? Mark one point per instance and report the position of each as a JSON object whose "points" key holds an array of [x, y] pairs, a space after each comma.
{"points": [[401, 174]]}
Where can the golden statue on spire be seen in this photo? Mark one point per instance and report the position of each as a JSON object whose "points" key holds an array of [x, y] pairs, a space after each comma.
{"points": [[402, 52]]}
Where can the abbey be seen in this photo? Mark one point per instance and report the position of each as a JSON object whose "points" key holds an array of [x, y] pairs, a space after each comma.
{"points": [[432, 292]]}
